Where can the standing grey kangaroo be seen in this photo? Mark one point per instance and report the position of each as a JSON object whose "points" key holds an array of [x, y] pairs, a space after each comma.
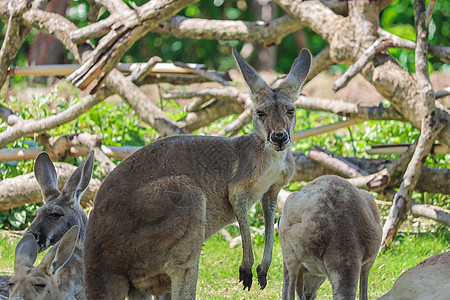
{"points": [[329, 229], [154, 211]]}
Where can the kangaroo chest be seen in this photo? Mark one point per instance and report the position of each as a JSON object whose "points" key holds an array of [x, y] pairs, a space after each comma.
{"points": [[271, 175]]}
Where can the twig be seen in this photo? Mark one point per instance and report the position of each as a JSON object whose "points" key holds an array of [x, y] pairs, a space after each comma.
{"points": [[323, 129], [138, 74], [349, 110], [203, 73], [342, 168], [27, 127], [244, 118], [13, 38], [442, 93], [146, 110], [378, 46], [397, 42]]}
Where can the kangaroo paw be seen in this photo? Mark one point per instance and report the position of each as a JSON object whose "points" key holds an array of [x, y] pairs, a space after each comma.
{"points": [[262, 277], [245, 276]]}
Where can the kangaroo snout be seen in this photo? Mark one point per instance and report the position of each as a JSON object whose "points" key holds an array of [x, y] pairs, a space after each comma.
{"points": [[280, 139]]}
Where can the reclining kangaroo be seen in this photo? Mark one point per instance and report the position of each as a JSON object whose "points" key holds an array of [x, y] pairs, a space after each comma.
{"points": [[52, 278], [154, 211]]}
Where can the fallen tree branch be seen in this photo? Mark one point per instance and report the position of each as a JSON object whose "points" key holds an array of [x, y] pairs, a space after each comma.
{"points": [[342, 168], [23, 189], [431, 212]]}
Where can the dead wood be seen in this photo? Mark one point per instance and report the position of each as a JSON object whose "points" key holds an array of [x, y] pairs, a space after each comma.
{"points": [[146, 110], [23, 189]]}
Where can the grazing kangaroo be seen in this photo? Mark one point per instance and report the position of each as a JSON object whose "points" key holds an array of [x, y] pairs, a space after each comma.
{"points": [[51, 279], [429, 280], [155, 209], [328, 229], [61, 210]]}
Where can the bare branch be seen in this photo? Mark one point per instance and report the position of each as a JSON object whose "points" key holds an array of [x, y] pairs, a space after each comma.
{"points": [[140, 73], [243, 119], [342, 168], [346, 109], [203, 73], [112, 47], [27, 127], [314, 15], [146, 110], [13, 37], [323, 129], [397, 42], [379, 45], [264, 33], [319, 63], [442, 93], [431, 212]]}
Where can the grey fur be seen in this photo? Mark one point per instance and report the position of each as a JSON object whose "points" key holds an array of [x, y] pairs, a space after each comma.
{"points": [[155, 209], [328, 229]]}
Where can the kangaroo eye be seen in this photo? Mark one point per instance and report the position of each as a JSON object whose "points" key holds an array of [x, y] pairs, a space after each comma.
{"points": [[10, 284], [40, 285], [260, 114]]}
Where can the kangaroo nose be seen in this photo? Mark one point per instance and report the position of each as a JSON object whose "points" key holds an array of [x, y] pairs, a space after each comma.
{"points": [[279, 137]]}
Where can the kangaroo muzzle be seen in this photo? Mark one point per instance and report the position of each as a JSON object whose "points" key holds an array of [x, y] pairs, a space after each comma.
{"points": [[280, 139]]}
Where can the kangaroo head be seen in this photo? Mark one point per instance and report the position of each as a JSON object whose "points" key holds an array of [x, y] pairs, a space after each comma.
{"points": [[274, 110], [61, 209], [40, 282]]}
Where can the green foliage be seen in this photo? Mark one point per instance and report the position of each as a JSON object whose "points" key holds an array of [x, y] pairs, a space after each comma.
{"points": [[398, 18], [118, 124]]}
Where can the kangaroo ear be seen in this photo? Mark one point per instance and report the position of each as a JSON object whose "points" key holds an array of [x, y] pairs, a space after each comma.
{"points": [[59, 254], [45, 174], [80, 179], [297, 75], [26, 251], [256, 84]]}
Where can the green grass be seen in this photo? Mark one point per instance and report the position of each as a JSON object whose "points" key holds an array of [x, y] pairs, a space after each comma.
{"points": [[219, 265]]}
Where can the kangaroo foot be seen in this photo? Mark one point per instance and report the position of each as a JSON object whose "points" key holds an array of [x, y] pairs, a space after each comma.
{"points": [[262, 277], [245, 275]]}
